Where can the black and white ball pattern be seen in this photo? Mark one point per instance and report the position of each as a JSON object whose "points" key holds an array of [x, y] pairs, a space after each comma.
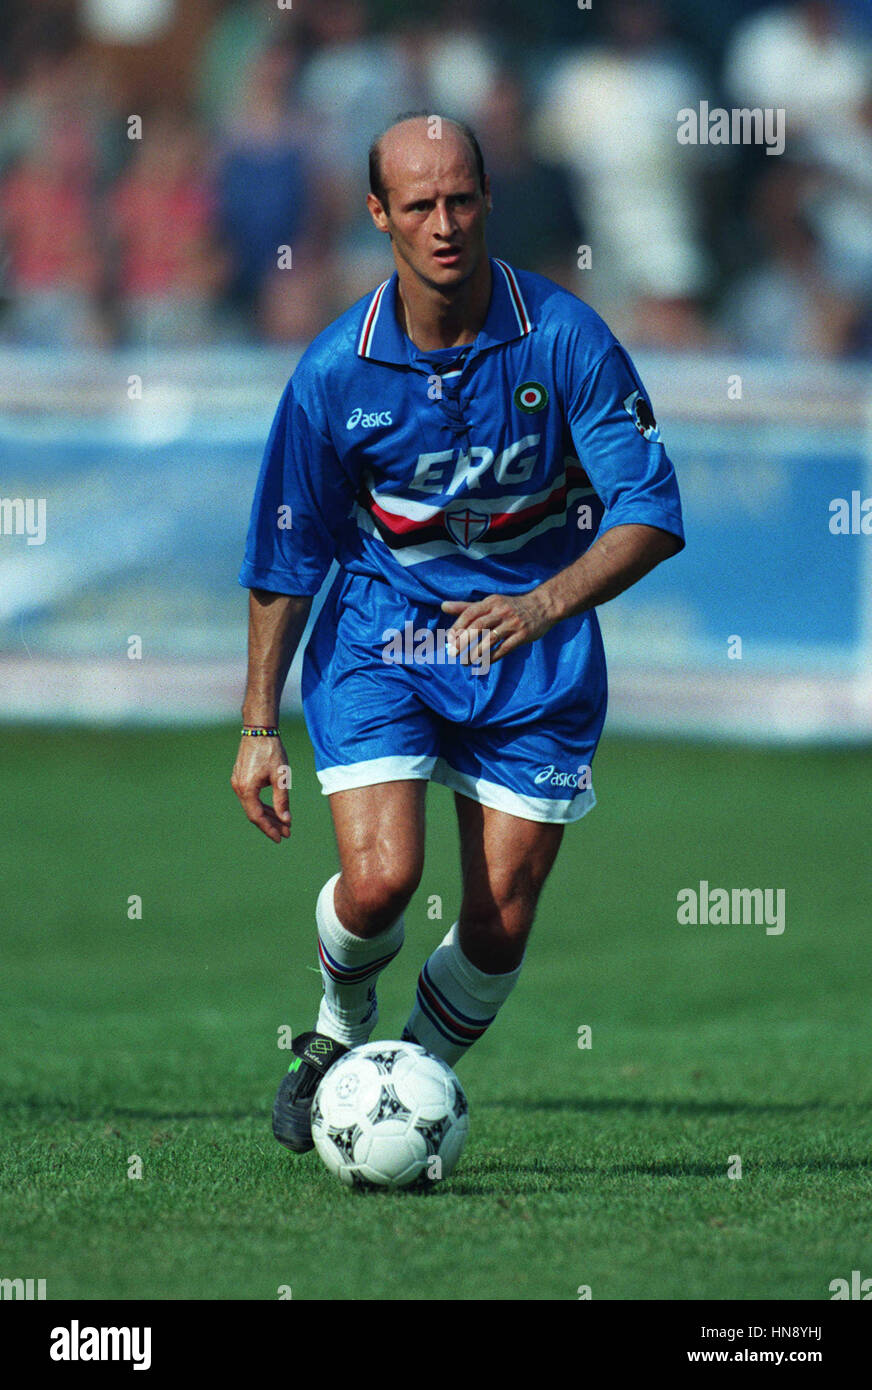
{"points": [[390, 1114]]}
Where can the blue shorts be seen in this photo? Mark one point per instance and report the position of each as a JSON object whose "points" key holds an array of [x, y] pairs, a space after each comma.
{"points": [[382, 705]]}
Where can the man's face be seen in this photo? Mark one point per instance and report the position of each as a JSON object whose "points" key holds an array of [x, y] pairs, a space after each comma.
{"points": [[436, 210]]}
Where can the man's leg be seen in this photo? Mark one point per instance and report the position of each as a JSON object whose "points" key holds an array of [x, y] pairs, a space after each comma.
{"points": [[505, 861], [380, 834]]}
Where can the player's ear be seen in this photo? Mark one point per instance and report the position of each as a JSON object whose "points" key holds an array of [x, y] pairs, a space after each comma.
{"points": [[377, 212], [488, 201]]}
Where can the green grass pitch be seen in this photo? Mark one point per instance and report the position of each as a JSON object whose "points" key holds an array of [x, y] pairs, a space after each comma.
{"points": [[604, 1167]]}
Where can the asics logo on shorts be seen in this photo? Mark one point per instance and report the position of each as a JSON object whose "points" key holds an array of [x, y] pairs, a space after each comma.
{"points": [[579, 779], [368, 420]]}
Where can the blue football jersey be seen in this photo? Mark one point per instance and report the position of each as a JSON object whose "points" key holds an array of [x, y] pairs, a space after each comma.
{"points": [[456, 474]]}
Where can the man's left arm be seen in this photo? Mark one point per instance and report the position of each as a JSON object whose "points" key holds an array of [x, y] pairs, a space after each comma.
{"points": [[617, 438], [615, 561]]}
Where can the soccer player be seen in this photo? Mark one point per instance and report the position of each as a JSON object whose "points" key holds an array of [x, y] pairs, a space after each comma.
{"points": [[474, 449]]}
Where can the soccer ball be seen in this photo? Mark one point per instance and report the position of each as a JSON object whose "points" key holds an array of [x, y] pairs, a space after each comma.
{"points": [[390, 1114]]}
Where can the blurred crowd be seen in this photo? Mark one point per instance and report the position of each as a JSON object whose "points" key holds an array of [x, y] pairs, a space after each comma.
{"points": [[194, 172]]}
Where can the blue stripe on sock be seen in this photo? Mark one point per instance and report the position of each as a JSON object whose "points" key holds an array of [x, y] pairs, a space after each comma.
{"points": [[439, 1026], [353, 974], [452, 1008]]}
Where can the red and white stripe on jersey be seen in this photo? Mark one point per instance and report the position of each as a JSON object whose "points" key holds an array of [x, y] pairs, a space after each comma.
{"points": [[415, 531], [370, 319], [516, 297]]}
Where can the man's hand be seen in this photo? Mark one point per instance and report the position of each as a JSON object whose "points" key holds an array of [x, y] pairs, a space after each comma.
{"points": [[504, 622], [499, 623], [263, 762]]}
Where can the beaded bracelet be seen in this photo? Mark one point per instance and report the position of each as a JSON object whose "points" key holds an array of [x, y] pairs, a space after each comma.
{"points": [[252, 731]]}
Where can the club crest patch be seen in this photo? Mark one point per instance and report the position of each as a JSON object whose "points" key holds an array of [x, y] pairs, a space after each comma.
{"points": [[642, 416], [466, 526], [530, 396]]}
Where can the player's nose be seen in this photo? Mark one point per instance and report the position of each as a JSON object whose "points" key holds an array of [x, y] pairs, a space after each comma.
{"points": [[444, 221]]}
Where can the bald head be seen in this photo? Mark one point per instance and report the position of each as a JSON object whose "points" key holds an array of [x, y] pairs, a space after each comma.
{"points": [[409, 148]]}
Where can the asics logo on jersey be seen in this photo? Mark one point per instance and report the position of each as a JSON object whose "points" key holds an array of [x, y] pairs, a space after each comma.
{"points": [[580, 779], [368, 419]]}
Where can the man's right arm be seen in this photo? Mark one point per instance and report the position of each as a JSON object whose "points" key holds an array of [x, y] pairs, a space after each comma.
{"points": [[276, 623]]}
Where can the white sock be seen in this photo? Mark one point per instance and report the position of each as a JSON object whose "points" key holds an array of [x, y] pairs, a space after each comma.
{"points": [[350, 966], [456, 1002]]}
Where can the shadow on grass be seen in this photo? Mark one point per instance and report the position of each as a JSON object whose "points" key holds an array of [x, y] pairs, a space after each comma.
{"points": [[68, 1108], [679, 1168], [587, 1105], [504, 1178]]}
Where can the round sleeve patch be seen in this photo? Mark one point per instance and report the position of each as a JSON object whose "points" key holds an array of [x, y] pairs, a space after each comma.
{"points": [[530, 396]]}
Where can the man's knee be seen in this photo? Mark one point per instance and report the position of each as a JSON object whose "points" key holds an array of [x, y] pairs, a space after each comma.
{"points": [[373, 890]]}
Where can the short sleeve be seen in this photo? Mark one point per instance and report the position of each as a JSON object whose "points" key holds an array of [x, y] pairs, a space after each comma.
{"points": [[302, 500], [618, 444]]}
